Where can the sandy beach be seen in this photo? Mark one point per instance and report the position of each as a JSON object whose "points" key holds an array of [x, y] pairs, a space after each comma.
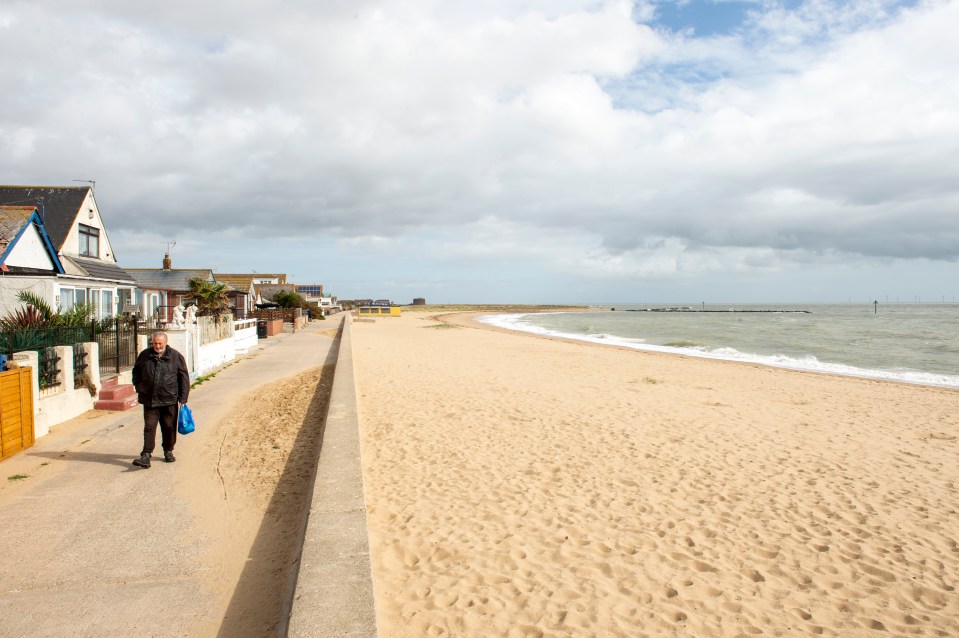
{"points": [[525, 486]]}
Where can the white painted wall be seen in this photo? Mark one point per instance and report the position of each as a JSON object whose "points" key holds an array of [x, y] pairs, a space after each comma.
{"points": [[200, 359], [213, 355], [46, 287], [179, 339], [244, 336], [30, 251], [68, 403], [89, 215]]}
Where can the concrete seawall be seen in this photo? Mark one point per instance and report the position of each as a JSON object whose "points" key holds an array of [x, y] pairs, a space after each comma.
{"points": [[332, 592]]}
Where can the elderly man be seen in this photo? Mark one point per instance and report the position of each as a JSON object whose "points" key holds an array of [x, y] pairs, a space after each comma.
{"points": [[162, 382]]}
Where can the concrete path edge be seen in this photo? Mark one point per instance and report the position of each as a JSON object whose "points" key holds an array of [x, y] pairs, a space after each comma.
{"points": [[332, 590]]}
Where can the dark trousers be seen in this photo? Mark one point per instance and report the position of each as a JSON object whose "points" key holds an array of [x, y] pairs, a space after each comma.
{"points": [[166, 416]]}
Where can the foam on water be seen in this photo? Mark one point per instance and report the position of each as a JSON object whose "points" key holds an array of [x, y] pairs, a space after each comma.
{"points": [[805, 363]]}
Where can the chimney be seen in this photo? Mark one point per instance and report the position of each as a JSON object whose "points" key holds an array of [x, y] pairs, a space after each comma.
{"points": [[167, 262]]}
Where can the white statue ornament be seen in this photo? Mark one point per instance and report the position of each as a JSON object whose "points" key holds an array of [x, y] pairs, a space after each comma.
{"points": [[179, 321]]}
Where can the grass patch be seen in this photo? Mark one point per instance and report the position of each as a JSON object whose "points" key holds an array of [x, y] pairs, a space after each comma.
{"points": [[202, 379], [652, 381], [442, 326], [18, 477]]}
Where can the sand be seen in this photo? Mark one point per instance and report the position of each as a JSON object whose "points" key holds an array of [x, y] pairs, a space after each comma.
{"points": [[266, 454], [525, 486]]}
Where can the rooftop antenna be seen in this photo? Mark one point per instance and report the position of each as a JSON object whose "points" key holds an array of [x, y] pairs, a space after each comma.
{"points": [[169, 245], [91, 182]]}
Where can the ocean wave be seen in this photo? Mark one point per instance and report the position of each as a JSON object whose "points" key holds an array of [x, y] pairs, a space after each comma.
{"points": [[808, 363]]}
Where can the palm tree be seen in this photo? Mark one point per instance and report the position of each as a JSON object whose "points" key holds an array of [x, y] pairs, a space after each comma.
{"points": [[211, 297]]}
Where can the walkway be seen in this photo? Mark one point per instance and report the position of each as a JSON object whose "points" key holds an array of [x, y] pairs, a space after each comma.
{"points": [[92, 546]]}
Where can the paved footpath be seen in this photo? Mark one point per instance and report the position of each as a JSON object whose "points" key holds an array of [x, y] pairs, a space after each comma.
{"points": [[92, 546]]}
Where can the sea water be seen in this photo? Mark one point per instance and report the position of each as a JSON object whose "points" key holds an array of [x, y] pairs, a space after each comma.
{"points": [[914, 343]]}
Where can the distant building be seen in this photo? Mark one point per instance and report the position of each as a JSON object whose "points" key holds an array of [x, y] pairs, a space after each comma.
{"points": [[419, 301], [268, 278], [312, 293]]}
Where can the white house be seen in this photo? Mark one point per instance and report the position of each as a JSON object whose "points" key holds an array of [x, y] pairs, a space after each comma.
{"points": [[72, 222]]}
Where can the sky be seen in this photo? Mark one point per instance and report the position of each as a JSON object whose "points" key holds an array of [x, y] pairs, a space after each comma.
{"points": [[526, 151]]}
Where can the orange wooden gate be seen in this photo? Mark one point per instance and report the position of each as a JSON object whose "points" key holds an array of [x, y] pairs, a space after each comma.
{"points": [[16, 411]]}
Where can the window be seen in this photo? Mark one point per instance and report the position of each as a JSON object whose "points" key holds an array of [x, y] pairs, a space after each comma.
{"points": [[106, 304], [89, 241], [70, 297], [66, 298]]}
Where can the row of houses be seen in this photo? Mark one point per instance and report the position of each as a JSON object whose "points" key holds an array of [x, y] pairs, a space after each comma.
{"points": [[53, 242]]}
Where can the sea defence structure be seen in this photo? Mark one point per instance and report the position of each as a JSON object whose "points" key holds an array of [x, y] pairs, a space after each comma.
{"points": [[690, 309], [332, 592]]}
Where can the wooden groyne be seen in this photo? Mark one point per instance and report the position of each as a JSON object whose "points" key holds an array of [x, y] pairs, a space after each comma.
{"points": [[729, 310]]}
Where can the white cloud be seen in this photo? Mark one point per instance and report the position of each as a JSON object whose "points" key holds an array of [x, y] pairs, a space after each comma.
{"points": [[600, 146]]}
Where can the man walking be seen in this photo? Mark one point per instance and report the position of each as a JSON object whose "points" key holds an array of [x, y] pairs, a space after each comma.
{"points": [[162, 382]]}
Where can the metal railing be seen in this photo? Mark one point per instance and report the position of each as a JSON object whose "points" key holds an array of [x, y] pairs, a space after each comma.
{"points": [[79, 365], [118, 344]]}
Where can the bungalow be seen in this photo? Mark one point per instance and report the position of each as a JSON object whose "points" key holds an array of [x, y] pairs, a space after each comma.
{"points": [[72, 223], [160, 290], [266, 292], [242, 294]]}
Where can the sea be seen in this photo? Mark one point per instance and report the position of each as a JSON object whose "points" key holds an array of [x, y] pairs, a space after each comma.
{"points": [[912, 343]]}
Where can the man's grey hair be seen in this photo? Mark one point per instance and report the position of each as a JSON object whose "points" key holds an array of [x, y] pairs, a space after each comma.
{"points": [[160, 333]]}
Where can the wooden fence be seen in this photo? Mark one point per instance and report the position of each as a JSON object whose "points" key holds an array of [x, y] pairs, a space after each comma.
{"points": [[16, 411]]}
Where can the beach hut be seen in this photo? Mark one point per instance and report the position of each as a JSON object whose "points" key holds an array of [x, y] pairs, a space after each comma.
{"points": [[379, 311]]}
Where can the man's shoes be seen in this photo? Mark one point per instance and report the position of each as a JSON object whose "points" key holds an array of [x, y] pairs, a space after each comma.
{"points": [[168, 456], [143, 461]]}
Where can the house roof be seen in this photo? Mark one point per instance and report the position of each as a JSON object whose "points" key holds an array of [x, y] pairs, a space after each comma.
{"points": [[177, 279], [239, 282], [58, 206], [12, 219], [268, 290], [254, 275], [97, 269]]}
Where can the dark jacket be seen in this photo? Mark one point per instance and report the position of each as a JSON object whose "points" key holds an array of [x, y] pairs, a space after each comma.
{"points": [[161, 379]]}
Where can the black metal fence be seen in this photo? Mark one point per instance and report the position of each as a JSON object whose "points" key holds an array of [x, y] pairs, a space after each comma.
{"points": [[48, 368], [38, 338], [118, 344], [116, 337]]}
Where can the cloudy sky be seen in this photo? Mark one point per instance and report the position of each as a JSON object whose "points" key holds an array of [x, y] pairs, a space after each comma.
{"points": [[537, 151]]}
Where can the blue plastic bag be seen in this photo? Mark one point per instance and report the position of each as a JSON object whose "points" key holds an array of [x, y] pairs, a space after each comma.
{"points": [[184, 422]]}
